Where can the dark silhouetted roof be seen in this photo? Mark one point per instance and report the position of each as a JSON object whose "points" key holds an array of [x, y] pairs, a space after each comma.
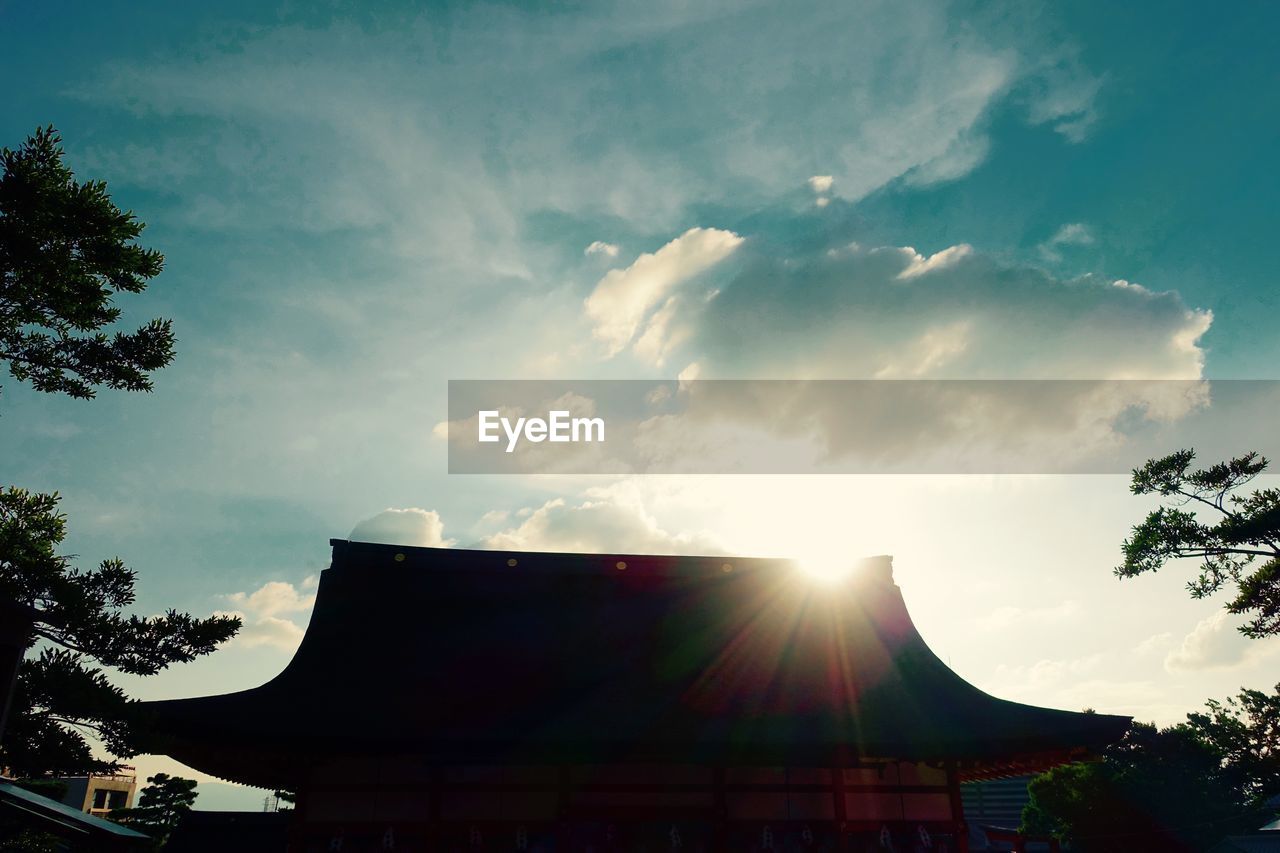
{"points": [[464, 656], [45, 815], [243, 832]]}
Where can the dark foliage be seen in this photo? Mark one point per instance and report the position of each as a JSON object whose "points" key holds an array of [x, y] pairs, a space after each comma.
{"points": [[66, 250], [1245, 731], [63, 692], [161, 806], [1238, 547], [1176, 789]]}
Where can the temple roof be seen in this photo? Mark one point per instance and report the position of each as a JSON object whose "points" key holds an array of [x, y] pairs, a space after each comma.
{"points": [[472, 657]]}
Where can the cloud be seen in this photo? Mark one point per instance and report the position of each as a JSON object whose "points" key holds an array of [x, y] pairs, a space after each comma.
{"points": [[1216, 643], [325, 141], [1046, 673], [1070, 234], [1009, 617], [1073, 233], [964, 154], [274, 598], [623, 299], [1064, 95], [269, 631], [930, 352], [788, 309], [918, 264], [354, 109], [1155, 643], [262, 613], [821, 183], [795, 308], [411, 526], [1090, 681], [601, 248], [608, 521]]}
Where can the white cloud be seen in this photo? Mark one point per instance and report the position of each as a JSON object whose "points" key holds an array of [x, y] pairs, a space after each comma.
{"points": [[360, 105], [494, 517], [918, 264], [930, 352], [1064, 95], [1070, 234], [334, 133], [821, 183], [410, 526], [1091, 681], [599, 247], [610, 520], [957, 141], [862, 312], [1046, 673], [867, 311], [1074, 234], [1009, 617], [965, 153], [274, 598], [1216, 643], [268, 631], [621, 301], [1154, 644], [263, 613]]}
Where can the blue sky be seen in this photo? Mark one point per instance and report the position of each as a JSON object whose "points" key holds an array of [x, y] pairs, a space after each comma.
{"points": [[357, 205]]}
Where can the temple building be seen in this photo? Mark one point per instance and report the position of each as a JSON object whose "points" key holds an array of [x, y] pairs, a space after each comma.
{"points": [[454, 700]]}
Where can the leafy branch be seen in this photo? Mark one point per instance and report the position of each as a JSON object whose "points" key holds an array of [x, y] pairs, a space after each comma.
{"points": [[1240, 548]]}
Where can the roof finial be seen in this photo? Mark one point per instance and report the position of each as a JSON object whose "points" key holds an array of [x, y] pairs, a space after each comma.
{"points": [[878, 568]]}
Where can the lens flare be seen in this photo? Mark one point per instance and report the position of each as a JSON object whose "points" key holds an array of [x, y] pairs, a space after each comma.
{"points": [[827, 570]]}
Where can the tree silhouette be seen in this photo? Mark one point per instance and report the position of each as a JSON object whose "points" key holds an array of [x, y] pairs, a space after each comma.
{"points": [[161, 807], [1240, 549], [1157, 790], [65, 251], [61, 695]]}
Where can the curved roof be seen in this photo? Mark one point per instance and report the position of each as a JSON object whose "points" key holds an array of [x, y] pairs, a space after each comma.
{"points": [[464, 656]]}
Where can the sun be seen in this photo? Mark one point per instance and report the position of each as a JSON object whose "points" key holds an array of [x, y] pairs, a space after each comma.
{"points": [[825, 569]]}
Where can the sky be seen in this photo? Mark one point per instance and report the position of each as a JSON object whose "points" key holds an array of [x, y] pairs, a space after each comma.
{"points": [[358, 203]]}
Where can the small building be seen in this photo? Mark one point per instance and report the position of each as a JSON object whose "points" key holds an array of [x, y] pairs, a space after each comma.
{"points": [[993, 808], [1266, 839], [448, 699], [75, 830], [99, 794]]}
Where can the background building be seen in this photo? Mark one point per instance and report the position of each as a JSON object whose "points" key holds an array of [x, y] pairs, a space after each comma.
{"points": [[101, 793]]}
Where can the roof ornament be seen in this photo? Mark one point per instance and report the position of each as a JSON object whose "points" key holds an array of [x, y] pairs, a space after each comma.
{"points": [[335, 843], [522, 837], [676, 841], [766, 838], [389, 839], [475, 838], [806, 835], [878, 569]]}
